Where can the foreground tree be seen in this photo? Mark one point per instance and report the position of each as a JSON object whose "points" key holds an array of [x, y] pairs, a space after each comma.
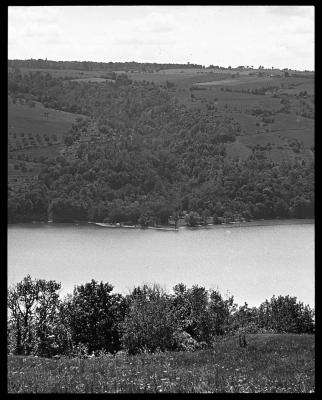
{"points": [[150, 323], [284, 314], [93, 315], [202, 314], [33, 316]]}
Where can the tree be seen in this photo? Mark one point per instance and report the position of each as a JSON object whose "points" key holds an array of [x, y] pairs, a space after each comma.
{"points": [[163, 212], [205, 215], [33, 313], [198, 326], [93, 314], [170, 85], [281, 208], [149, 323], [66, 210], [284, 314], [301, 208], [192, 219], [221, 313], [202, 314]]}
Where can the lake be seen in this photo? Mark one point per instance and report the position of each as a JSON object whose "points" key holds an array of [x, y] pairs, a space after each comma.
{"points": [[250, 262]]}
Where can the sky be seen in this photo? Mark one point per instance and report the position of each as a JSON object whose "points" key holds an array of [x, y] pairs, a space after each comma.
{"points": [[273, 36]]}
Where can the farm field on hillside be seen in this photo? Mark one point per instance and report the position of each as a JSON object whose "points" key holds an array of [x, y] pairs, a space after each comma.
{"points": [[304, 135], [195, 71], [248, 109], [184, 79], [33, 134], [25, 119], [247, 123], [252, 82], [93, 79], [242, 101], [15, 168], [307, 84], [271, 363], [46, 151], [297, 127], [236, 81]]}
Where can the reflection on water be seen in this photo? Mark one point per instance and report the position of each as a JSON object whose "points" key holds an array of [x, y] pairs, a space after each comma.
{"points": [[252, 263]]}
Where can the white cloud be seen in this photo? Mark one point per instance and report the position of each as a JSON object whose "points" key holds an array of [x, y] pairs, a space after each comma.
{"points": [[34, 26], [223, 35], [156, 22], [139, 41], [289, 11]]}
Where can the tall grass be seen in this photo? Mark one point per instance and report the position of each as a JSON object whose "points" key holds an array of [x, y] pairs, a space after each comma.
{"points": [[270, 363]]}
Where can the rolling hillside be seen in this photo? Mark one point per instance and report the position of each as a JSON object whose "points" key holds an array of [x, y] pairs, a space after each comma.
{"points": [[161, 142]]}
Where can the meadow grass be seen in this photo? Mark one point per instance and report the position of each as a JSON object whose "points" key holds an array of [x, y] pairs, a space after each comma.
{"points": [[24, 119], [269, 363]]}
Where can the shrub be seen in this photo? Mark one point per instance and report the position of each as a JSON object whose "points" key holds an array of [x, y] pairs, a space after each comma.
{"points": [[185, 342], [149, 322]]}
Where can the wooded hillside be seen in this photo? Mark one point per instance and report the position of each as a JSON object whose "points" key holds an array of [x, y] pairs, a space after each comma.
{"points": [[140, 152]]}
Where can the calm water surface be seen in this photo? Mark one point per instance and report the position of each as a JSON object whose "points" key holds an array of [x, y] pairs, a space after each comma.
{"points": [[252, 262]]}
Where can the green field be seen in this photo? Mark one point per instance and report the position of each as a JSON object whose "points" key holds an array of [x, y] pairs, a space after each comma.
{"points": [[93, 79], [241, 106], [28, 126], [31, 134], [271, 363], [25, 119], [242, 101], [184, 80], [243, 80]]}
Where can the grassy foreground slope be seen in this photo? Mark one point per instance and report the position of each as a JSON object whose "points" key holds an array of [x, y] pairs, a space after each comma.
{"points": [[270, 363]]}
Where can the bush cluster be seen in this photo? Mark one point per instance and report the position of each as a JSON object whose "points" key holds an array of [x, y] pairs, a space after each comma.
{"points": [[93, 319]]}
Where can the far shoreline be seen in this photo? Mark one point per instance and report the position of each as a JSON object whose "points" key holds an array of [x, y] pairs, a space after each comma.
{"points": [[268, 222]]}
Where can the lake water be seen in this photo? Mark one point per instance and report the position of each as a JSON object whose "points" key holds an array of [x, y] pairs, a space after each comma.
{"points": [[250, 262]]}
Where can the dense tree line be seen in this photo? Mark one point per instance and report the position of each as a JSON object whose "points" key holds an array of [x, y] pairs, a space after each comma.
{"points": [[148, 157], [96, 66], [94, 319]]}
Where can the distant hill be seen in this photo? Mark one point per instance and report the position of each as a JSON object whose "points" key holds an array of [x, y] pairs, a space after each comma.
{"points": [[94, 66], [141, 146]]}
